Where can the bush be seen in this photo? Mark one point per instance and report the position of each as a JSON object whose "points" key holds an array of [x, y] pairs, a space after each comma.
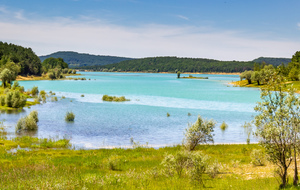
{"points": [[34, 91], [168, 115], [258, 157], [199, 132], [223, 126], [2, 100], [28, 123], [176, 163], [70, 116]]}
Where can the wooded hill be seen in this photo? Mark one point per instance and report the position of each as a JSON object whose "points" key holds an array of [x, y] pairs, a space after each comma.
{"points": [[173, 64], [24, 58], [75, 59], [272, 61]]}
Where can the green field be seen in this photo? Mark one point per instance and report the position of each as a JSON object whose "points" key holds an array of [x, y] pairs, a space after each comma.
{"points": [[52, 164]]}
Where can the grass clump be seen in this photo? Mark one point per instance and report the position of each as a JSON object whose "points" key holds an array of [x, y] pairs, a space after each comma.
{"points": [[70, 117], [114, 98], [28, 123]]}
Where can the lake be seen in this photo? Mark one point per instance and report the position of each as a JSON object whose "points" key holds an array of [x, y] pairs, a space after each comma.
{"points": [[101, 124]]}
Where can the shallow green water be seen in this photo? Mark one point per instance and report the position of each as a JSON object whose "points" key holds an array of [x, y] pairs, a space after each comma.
{"points": [[144, 118]]}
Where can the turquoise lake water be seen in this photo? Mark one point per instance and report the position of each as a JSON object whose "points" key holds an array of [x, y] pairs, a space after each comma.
{"points": [[101, 124]]}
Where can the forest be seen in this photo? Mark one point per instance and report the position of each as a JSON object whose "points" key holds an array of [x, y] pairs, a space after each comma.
{"points": [[24, 58], [174, 64]]}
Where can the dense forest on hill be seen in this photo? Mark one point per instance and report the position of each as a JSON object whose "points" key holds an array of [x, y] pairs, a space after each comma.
{"points": [[272, 61], [27, 61], [75, 59], [173, 64]]}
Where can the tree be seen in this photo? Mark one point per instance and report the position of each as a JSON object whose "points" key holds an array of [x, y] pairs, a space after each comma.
{"points": [[199, 132], [278, 125], [246, 75], [178, 74], [7, 76], [256, 76]]}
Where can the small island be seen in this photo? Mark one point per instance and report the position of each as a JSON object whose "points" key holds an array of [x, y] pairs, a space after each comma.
{"points": [[108, 98], [192, 77]]}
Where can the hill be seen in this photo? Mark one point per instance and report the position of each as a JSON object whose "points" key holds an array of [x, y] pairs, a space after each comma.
{"points": [[173, 64], [272, 61], [25, 58], [75, 59]]}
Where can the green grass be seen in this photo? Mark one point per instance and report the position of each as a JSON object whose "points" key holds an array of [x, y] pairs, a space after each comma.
{"points": [[46, 168]]}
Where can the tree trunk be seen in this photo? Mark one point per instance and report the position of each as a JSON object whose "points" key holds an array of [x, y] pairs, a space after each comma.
{"points": [[258, 82], [284, 178], [249, 81], [295, 182]]}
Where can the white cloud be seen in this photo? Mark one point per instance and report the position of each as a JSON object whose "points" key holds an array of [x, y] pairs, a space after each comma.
{"points": [[183, 17], [299, 25], [97, 37]]}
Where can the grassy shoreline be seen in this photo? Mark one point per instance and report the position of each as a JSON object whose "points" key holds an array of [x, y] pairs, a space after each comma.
{"points": [[50, 166], [244, 83]]}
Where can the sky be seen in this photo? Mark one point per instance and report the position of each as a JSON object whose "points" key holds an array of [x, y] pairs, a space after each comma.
{"points": [[216, 29]]}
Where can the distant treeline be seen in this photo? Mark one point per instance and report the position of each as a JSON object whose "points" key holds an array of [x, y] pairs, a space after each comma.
{"points": [[74, 59], [272, 61], [174, 64], [26, 60]]}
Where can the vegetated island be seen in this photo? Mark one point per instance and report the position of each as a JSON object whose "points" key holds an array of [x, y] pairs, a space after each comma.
{"points": [[108, 98], [192, 77], [259, 75]]}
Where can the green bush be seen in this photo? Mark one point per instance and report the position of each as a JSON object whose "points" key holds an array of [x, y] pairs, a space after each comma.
{"points": [[2, 100], [70, 116], [223, 126], [258, 157], [28, 123], [34, 91]]}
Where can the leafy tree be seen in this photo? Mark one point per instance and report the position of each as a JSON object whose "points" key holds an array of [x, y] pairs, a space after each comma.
{"points": [[7, 76], [199, 132], [256, 76], [278, 125], [294, 74], [246, 75], [54, 63]]}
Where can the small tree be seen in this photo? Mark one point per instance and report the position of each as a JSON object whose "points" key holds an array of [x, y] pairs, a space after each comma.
{"points": [[256, 76], [199, 132], [278, 125], [178, 74], [7, 76], [246, 75]]}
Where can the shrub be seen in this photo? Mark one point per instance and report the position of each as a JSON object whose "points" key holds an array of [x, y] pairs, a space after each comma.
{"points": [[214, 169], [199, 165], [168, 115], [70, 116], [176, 163], [258, 157], [82, 95], [17, 100], [34, 91], [223, 126], [28, 123], [199, 132]]}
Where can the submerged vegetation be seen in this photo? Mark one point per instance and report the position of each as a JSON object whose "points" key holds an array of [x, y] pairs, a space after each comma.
{"points": [[28, 123], [70, 117], [114, 98]]}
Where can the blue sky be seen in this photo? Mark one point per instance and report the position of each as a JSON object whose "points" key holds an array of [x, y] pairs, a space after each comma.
{"points": [[216, 29]]}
